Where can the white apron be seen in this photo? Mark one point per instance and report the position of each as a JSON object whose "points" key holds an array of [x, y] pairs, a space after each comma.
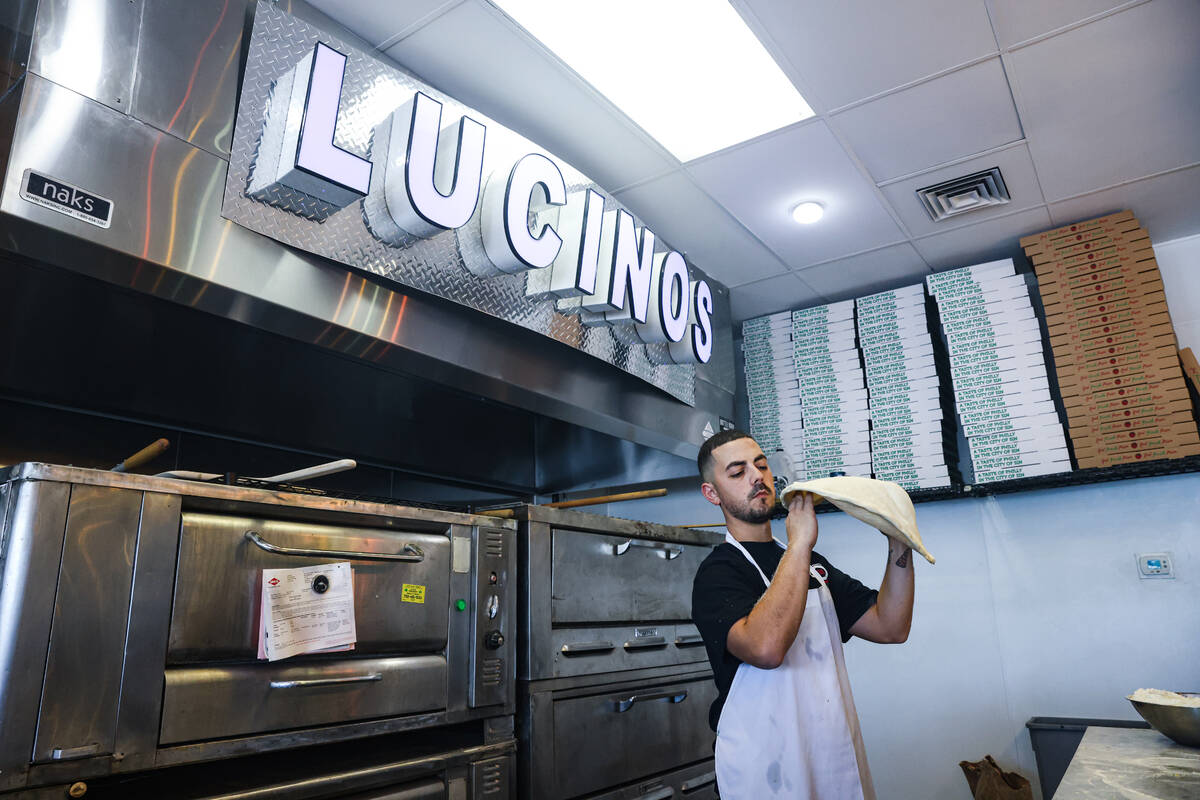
{"points": [[792, 732]]}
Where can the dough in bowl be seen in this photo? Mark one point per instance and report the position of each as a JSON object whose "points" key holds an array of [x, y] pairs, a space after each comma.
{"points": [[881, 504]]}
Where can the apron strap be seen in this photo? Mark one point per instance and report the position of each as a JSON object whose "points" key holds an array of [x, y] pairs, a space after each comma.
{"points": [[812, 569]]}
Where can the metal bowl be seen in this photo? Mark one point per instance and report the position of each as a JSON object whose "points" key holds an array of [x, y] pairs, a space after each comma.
{"points": [[1179, 723]]}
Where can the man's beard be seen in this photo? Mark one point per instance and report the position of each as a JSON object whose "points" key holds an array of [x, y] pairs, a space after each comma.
{"points": [[745, 512]]}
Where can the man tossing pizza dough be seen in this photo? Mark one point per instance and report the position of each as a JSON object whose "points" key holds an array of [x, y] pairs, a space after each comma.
{"points": [[784, 716]]}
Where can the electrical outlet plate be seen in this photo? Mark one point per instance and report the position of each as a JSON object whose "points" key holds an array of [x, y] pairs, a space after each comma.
{"points": [[1156, 565]]}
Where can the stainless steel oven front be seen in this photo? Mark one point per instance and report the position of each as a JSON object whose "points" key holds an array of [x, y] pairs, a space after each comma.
{"points": [[129, 614]]}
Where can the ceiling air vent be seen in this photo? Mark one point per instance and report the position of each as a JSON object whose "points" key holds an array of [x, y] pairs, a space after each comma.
{"points": [[968, 193]]}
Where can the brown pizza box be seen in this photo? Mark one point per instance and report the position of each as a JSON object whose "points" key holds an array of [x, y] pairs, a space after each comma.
{"points": [[1094, 293], [1133, 441], [1101, 243], [1142, 310], [1109, 257], [1094, 329], [1086, 241], [1067, 260], [1057, 282], [1117, 365], [1191, 367], [1111, 356], [1098, 222], [1155, 300], [1072, 385], [1172, 451], [1135, 336], [1117, 397], [1164, 422], [1087, 414]]}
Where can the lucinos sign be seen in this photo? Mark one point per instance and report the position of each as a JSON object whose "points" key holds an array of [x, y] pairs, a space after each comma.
{"points": [[424, 175]]}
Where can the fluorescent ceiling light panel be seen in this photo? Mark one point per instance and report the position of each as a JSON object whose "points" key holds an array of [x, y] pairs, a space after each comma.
{"points": [[689, 72]]}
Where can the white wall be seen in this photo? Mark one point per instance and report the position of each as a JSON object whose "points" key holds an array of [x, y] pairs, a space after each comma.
{"points": [[1033, 609], [1179, 263]]}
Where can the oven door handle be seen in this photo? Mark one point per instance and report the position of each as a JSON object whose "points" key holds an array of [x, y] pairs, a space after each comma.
{"points": [[623, 704], [698, 781], [411, 551], [370, 677], [689, 640], [579, 648], [644, 642], [665, 550], [661, 793]]}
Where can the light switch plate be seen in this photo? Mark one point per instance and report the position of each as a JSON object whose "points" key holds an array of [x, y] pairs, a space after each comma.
{"points": [[1156, 565]]}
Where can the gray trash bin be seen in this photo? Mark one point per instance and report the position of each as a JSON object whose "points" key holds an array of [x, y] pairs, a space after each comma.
{"points": [[1055, 740]]}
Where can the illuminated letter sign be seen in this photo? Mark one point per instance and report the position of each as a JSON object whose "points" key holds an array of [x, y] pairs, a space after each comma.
{"points": [[667, 319], [297, 149], [507, 199]]}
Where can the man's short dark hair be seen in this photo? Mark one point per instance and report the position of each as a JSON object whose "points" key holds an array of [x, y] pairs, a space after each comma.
{"points": [[705, 459]]}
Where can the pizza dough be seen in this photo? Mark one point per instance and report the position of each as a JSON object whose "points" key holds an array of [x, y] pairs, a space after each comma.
{"points": [[1162, 698], [880, 504]]}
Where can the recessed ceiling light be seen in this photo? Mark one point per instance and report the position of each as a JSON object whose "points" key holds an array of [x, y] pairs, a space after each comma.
{"points": [[688, 72], [808, 213]]}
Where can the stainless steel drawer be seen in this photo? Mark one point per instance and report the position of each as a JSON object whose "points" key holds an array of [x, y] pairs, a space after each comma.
{"points": [[606, 579], [217, 589], [201, 703], [592, 651], [695, 782], [611, 736]]}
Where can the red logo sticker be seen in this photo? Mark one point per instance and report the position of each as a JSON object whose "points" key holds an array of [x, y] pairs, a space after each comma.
{"points": [[274, 581]]}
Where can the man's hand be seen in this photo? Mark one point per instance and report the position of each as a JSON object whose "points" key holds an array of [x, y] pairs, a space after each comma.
{"points": [[801, 522]]}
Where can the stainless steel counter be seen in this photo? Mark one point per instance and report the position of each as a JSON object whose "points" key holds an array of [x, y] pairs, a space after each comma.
{"points": [[1130, 764]]}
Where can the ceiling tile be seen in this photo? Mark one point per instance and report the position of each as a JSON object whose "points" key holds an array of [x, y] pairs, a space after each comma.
{"points": [[1015, 165], [852, 49], [1166, 205], [987, 241], [679, 212], [761, 182], [773, 294], [379, 20], [1020, 20], [1112, 100], [867, 273], [511, 79], [951, 117]]}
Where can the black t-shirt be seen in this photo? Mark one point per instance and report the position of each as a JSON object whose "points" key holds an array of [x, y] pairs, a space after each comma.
{"points": [[727, 587]]}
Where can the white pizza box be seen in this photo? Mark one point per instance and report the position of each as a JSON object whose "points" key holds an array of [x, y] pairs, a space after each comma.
{"points": [[829, 460], [929, 478], [816, 326], [818, 357], [859, 431], [844, 420], [1006, 389], [899, 348], [926, 449], [1005, 412], [917, 485], [1042, 433], [923, 399], [1011, 339], [1030, 352], [910, 432], [818, 397], [1030, 368], [955, 301], [830, 311], [841, 351], [837, 403], [1026, 372], [907, 462], [1026, 452], [906, 415], [990, 269], [1011, 424], [905, 385], [834, 337], [836, 381], [767, 337], [841, 446], [994, 462], [913, 290], [852, 470], [881, 394], [874, 329], [919, 352], [988, 315], [967, 408], [1002, 283], [917, 405], [914, 370], [985, 332], [870, 322], [810, 374], [779, 321], [1013, 473]]}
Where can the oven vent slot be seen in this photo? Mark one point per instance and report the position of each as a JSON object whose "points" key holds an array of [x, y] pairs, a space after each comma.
{"points": [[494, 544], [492, 671], [493, 778]]}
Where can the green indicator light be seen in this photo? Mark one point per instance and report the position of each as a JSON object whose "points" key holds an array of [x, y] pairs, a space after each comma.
{"points": [[460, 604]]}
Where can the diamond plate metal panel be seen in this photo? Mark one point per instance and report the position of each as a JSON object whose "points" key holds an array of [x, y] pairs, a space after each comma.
{"points": [[372, 89]]}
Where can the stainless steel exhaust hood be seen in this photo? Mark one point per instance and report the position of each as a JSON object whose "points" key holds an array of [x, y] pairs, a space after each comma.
{"points": [[133, 103]]}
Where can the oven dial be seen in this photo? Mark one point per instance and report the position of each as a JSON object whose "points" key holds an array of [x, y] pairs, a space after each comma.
{"points": [[493, 606], [494, 640]]}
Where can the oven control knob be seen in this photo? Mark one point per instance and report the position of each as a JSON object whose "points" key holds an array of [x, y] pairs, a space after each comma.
{"points": [[320, 584], [494, 640]]}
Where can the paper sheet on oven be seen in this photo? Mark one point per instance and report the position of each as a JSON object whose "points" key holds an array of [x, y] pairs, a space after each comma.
{"points": [[307, 610]]}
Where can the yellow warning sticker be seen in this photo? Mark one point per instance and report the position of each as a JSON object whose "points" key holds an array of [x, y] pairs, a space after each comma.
{"points": [[413, 593]]}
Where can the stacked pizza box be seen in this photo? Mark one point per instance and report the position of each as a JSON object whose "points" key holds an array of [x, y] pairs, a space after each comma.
{"points": [[771, 385], [998, 370], [1113, 343], [836, 431], [909, 440]]}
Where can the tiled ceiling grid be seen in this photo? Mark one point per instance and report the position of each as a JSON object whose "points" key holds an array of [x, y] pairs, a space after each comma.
{"points": [[1086, 106]]}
